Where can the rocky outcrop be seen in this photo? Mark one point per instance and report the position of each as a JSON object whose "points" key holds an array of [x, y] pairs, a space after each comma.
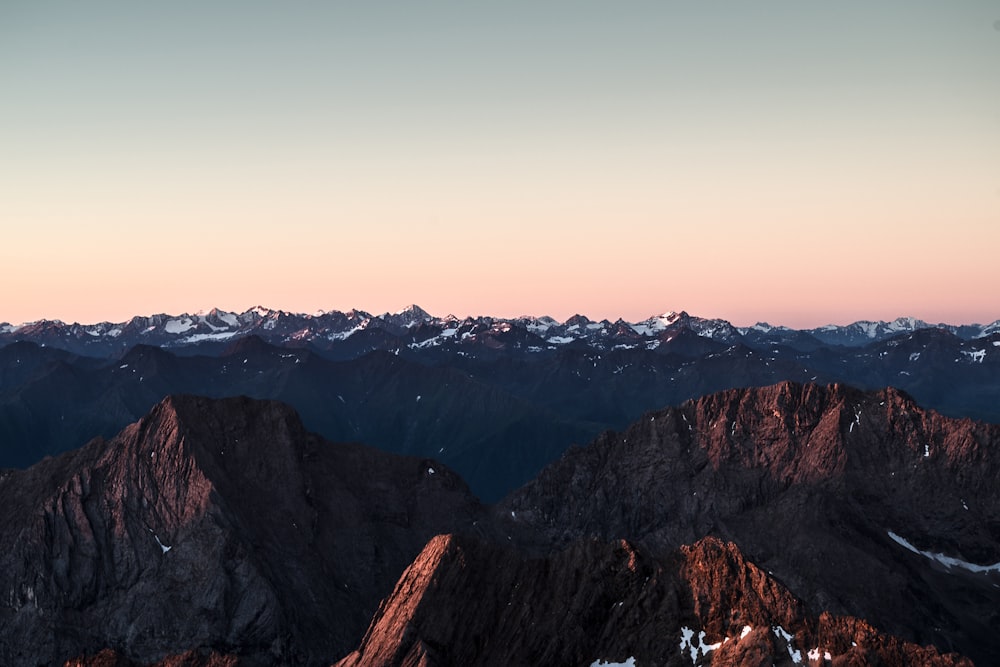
{"points": [[218, 524], [463, 602]]}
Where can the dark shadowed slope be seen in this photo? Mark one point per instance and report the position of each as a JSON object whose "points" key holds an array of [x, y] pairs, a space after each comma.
{"points": [[50, 403], [212, 523]]}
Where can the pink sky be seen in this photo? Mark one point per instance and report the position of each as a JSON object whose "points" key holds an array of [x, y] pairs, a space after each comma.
{"points": [[820, 166]]}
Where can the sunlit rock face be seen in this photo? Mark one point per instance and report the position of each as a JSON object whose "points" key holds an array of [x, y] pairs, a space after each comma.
{"points": [[775, 525], [809, 481], [464, 602]]}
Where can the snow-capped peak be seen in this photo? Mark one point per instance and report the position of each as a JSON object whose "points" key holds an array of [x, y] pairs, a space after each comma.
{"points": [[658, 323], [415, 311], [906, 324], [418, 326]]}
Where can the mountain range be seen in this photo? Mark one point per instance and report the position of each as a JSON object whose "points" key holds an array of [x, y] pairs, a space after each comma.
{"points": [[347, 334], [270, 488], [791, 524], [494, 399]]}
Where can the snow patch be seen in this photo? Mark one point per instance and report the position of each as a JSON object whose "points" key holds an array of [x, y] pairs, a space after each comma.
{"points": [[600, 663], [914, 356], [781, 632], [707, 648], [230, 319], [200, 338], [976, 356], [430, 471], [694, 645], [344, 335], [178, 326], [686, 636], [430, 342], [655, 325], [793, 653], [164, 548], [561, 340], [947, 561]]}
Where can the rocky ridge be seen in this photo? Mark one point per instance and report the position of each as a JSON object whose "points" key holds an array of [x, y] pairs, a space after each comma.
{"points": [[212, 523], [599, 602], [837, 492], [753, 526]]}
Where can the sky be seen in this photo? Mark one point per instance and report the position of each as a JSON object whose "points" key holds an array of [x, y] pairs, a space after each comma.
{"points": [[800, 163]]}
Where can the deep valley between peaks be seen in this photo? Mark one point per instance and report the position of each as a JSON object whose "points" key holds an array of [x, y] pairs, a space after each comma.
{"points": [[784, 524]]}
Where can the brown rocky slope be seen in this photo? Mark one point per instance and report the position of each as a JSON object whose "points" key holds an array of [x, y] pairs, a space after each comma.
{"points": [[211, 523], [464, 602], [862, 503], [219, 532]]}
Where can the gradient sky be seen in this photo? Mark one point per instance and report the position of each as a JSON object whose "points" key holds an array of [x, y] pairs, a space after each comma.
{"points": [[795, 162]]}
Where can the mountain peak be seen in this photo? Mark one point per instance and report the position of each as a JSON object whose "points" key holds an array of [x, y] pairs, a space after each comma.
{"points": [[578, 320], [226, 524], [413, 310]]}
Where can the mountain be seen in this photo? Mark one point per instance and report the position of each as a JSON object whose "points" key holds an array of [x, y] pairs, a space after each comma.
{"points": [[862, 503], [51, 401], [212, 523], [344, 335], [485, 404], [755, 526], [464, 602]]}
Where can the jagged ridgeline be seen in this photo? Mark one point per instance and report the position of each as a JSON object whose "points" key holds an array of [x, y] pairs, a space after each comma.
{"points": [[791, 524], [496, 399]]}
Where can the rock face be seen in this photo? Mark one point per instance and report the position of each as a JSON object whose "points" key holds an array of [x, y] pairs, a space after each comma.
{"points": [[750, 527], [463, 602], [212, 523], [854, 500]]}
